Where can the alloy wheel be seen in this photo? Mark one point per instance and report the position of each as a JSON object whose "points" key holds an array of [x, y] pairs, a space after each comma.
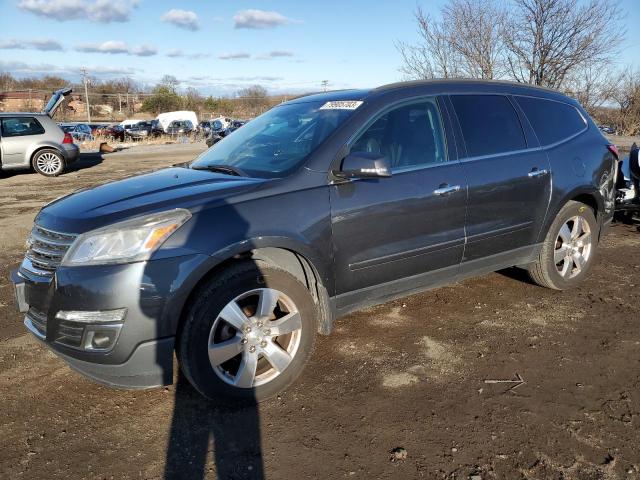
{"points": [[573, 247], [254, 338], [48, 163]]}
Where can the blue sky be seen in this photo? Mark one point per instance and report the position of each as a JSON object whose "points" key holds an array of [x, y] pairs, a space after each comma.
{"points": [[220, 47]]}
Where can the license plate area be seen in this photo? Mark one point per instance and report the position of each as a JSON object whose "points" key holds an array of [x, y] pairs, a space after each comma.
{"points": [[19, 292]]}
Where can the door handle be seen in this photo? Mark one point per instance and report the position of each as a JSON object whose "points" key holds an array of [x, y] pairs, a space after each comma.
{"points": [[446, 190], [534, 173]]}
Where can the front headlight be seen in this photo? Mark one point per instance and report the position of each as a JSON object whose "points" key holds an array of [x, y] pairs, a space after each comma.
{"points": [[129, 241]]}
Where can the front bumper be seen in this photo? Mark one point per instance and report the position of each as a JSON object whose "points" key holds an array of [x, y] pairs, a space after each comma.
{"points": [[153, 294]]}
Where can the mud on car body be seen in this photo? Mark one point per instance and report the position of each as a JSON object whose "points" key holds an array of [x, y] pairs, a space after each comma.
{"points": [[323, 205]]}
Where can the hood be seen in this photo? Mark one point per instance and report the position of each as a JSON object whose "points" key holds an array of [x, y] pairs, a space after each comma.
{"points": [[165, 189]]}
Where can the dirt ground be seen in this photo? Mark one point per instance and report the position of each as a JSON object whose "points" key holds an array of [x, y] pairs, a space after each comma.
{"points": [[397, 391]]}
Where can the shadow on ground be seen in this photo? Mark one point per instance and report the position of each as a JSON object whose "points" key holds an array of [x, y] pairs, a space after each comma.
{"points": [[201, 427]]}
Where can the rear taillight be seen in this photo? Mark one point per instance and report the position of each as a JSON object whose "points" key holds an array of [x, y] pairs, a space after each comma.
{"points": [[67, 138], [613, 149]]}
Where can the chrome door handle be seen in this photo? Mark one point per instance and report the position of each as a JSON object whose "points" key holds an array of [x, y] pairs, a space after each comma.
{"points": [[537, 173], [448, 190]]}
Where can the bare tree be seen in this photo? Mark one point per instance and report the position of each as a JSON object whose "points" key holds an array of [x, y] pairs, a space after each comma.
{"points": [[547, 40], [466, 42], [627, 97], [433, 56], [475, 33], [592, 85]]}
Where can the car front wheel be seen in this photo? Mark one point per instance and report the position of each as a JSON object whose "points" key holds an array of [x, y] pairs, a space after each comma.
{"points": [[248, 334]]}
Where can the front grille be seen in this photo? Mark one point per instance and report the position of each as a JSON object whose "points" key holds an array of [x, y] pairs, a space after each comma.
{"points": [[45, 250], [69, 333], [38, 320]]}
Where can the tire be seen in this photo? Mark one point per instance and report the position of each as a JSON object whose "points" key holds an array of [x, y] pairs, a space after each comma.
{"points": [[48, 162], [243, 286], [569, 249]]}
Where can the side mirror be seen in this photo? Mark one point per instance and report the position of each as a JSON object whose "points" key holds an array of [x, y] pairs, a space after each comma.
{"points": [[364, 165]]}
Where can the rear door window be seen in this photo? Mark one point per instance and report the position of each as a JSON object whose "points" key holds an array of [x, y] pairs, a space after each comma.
{"points": [[490, 124], [551, 120], [20, 126]]}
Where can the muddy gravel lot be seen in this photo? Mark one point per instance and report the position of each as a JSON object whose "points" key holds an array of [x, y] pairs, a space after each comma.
{"points": [[397, 391]]}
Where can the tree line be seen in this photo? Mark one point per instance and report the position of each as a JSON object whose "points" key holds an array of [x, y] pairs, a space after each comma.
{"points": [[126, 97], [569, 45]]}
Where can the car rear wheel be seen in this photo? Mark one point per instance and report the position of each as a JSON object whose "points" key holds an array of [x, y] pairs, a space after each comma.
{"points": [[249, 333], [48, 162], [569, 249]]}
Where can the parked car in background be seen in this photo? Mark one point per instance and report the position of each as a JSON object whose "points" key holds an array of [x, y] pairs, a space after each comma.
{"points": [[204, 127], [140, 130], [96, 128], [216, 135], [79, 131], [114, 131], [321, 206], [129, 124], [165, 119], [34, 140], [607, 129], [101, 130], [180, 127]]}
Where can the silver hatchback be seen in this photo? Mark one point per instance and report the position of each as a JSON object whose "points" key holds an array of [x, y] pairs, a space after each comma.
{"points": [[34, 140]]}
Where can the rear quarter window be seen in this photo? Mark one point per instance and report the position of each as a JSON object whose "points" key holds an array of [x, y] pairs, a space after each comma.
{"points": [[490, 124], [551, 120], [20, 126]]}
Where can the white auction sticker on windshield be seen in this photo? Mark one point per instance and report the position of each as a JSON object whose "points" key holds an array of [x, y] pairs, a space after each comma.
{"points": [[341, 105]]}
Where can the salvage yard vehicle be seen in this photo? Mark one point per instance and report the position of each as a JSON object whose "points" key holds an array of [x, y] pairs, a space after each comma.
{"points": [[628, 186], [323, 205], [180, 127], [79, 131], [34, 140], [164, 120], [140, 130]]}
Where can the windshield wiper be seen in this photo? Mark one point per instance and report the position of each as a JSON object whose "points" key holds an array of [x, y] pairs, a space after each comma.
{"points": [[226, 169]]}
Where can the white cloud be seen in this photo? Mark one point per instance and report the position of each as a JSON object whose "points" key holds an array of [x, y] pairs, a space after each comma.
{"points": [[144, 51], [100, 11], [258, 19], [234, 56], [185, 19], [112, 46], [44, 44], [275, 54], [45, 68], [177, 53], [117, 47]]}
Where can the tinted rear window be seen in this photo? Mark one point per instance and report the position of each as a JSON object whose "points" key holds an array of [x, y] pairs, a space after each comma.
{"points": [[489, 123], [552, 121]]}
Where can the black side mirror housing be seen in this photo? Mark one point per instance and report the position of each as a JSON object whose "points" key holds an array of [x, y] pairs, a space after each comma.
{"points": [[364, 165]]}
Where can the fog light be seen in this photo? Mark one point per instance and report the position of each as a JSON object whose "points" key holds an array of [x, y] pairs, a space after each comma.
{"points": [[90, 330], [101, 337]]}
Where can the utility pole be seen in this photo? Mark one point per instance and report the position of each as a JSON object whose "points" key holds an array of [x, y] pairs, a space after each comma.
{"points": [[325, 83], [86, 93]]}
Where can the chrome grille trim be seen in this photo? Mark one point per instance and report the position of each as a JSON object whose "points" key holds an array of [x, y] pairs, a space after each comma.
{"points": [[36, 322], [46, 248]]}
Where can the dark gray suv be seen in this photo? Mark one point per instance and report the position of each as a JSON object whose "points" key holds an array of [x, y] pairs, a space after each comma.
{"points": [[323, 205]]}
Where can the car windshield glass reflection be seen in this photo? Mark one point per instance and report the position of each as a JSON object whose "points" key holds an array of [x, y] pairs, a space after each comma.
{"points": [[277, 142]]}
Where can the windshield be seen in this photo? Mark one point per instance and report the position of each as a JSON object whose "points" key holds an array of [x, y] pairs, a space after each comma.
{"points": [[67, 128], [277, 142]]}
